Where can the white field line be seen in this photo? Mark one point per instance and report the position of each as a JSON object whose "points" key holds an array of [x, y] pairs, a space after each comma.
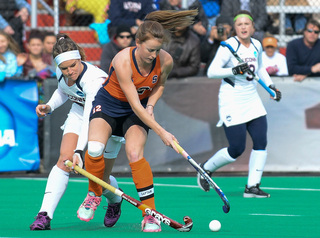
{"points": [[274, 215], [128, 183], [180, 185], [293, 189], [157, 184]]}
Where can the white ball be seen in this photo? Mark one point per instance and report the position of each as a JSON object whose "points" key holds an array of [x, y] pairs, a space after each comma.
{"points": [[215, 225]]}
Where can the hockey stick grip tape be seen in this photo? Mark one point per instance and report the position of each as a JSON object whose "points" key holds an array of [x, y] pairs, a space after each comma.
{"points": [[181, 150]]}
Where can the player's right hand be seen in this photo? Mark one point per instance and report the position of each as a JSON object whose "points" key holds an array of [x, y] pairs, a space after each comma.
{"points": [[43, 110], [241, 68]]}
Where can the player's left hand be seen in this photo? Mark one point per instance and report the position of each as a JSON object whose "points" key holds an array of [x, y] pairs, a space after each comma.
{"points": [[77, 159], [277, 92]]}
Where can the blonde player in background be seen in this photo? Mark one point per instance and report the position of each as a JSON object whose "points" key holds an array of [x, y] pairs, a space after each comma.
{"points": [[79, 82], [240, 107]]}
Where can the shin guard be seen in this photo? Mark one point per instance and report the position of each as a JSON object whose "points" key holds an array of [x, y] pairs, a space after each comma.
{"points": [[143, 180], [95, 166]]}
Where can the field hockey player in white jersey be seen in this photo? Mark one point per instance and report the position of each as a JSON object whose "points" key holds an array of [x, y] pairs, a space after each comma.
{"points": [[240, 107], [79, 82]]}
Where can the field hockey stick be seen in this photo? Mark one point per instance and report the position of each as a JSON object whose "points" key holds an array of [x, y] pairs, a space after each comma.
{"points": [[143, 207], [226, 206], [225, 44]]}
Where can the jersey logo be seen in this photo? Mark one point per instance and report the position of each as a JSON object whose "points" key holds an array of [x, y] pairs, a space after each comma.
{"points": [[141, 90], [76, 99], [155, 79], [249, 59], [132, 6], [80, 94]]}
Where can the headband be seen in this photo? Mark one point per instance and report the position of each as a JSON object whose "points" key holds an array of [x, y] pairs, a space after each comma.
{"points": [[73, 54], [243, 15]]}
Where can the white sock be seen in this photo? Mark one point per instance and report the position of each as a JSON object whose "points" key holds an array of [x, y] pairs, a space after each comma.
{"points": [[219, 159], [256, 165], [110, 196], [56, 186]]}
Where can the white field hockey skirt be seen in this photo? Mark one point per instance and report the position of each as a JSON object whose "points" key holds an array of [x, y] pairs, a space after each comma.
{"points": [[239, 108]]}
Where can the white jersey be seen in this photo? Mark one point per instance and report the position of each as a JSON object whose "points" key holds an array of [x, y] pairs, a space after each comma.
{"points": [[278, 60], [82, 93], [239, 101]]}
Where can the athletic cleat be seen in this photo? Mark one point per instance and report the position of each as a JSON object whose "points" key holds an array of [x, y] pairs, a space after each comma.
{"points": [[42, 222], [150, 224], [113, 214], [202, 182], [255, 192], [88, 207]]}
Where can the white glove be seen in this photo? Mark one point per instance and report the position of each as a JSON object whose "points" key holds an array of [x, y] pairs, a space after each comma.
{"points": [[77, 158]]}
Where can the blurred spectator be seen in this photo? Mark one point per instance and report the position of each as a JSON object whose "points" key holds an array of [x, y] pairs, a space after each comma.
{"points": [[201, 21], [184, 48], [122, 39], [13, 15], [128, 12], [303, 58], [295, 22], [218, 33], [274, 62], [36, 64], [9, 50], [49, 40], [97, 8], [257, 8], [212, 11]]}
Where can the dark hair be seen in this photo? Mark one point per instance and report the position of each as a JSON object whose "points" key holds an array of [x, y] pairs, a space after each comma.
{"points": [[122, 28], [36, 34], [222, 19], [159, 24], [312, 22], [12, 45], [48, 33], [65, 43]]}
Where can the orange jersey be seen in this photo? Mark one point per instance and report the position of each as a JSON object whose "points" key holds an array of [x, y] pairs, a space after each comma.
{"points": [[144, 85]]}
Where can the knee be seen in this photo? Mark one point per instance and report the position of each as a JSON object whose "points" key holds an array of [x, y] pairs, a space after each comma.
{"points": [[236, 151], [261, 145], [132, 155], [95, 148]]}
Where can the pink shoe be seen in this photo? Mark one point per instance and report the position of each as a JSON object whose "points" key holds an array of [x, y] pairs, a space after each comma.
{"points": [[88, 207], [150, 224]]}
